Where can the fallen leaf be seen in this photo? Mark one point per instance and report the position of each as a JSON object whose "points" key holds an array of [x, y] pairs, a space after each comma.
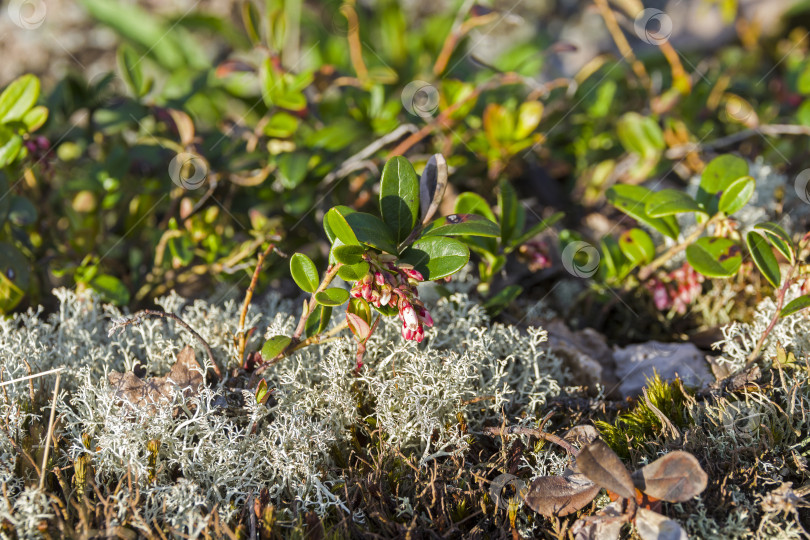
{"points": [[653, 526], [185, 375], [582, 435], [675, 477], [604, 525], [560, 495], [601, 465]]}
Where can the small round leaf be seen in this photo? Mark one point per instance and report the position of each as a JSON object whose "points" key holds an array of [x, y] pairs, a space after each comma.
{"points": [[304, 272], [332, 297]]}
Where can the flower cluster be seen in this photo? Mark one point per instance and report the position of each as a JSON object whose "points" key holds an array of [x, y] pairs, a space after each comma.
{"points": [[388, 285], [676, 290]]}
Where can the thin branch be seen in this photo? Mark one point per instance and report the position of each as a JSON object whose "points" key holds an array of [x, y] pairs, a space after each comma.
{"points": [[780, 300], [51, 422], [677, 152], [135, 320], [12, 381], [522, 430], [248, 297], [647, 270]]}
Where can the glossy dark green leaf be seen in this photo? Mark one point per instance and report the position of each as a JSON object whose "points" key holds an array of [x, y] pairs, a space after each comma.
{"points": [[18, 98], [332, 296], [436, 257], [371, 231], [399, 197], [274, 346], [795, 306], [736, 195], [461, 224], [304, 272], [351, 254], [714, 257], [717, 176], [336, 226], [473, 203], [779, 238], [670, 201], [763, 257], [513, 216], [637, 246], [318, 320], [632, 201], [353, 272]]}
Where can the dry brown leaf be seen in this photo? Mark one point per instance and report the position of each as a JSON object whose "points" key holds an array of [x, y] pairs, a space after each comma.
{"points": [[185, 375], [653, 526], [560, 495], [601, 465], [604, 525], [675, 477], [582, 435]]}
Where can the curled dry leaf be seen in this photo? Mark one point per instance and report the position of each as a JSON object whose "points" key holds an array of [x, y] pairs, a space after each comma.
{"points": [[604, 525], [582, 435], [186, 375], [653, 526], [431, 186], [601, 464], [560, 495], [675, 477]]}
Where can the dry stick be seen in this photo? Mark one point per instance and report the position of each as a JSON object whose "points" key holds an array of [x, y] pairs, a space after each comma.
{"points": [[166, 315], [444, 117], [521, 430], [621, 41], [647, 270], [456, 33], [246, 305], [54, 370], [50, 432], [677, 152]]}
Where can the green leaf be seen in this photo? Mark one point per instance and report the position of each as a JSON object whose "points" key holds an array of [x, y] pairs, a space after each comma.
{"points": [[473, 203], [361, 308], [512, 214], [399, 197], [351, 254], [15, 274], [670, 201], [459, 224], [10, 150], [717, 176], [640, 135], [18, 98], [304, 272], [795, 306], [736, 195], [495, 304], [779, 238], [22, 211], [353, 272], [436, 257], [714, 257], [35, 118], [274, 346], [332, 296], [130, 66], [616, 265], [763, 257], [110, 289], [632, 200], [336, 226], [292, 169], [318, 320], [262, 392], [371, 230], [537, 229], [637, 246]]}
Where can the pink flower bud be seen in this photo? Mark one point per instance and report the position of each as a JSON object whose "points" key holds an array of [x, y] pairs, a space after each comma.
{"points": [[425, 318], [412, 274], [408, 316]]}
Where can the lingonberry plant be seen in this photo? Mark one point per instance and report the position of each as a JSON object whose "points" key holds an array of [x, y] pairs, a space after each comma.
{"points": [[384, 259], [713, 248]]}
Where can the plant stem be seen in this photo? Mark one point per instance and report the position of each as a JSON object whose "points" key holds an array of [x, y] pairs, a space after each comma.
{"points": [[647, 270], [780, 300], [241, 336], [522, 430], [331, 272], [621, 42]]}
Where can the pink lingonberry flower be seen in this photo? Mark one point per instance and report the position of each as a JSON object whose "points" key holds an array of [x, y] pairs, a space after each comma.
{"points": [[676, 290]]}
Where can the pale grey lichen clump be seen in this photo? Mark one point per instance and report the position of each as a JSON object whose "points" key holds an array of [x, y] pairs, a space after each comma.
{"points": [[213, 453]]}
